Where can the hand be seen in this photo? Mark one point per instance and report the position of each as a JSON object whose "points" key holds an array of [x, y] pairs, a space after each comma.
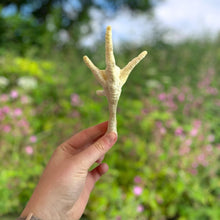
{"points": [[65, 185]]}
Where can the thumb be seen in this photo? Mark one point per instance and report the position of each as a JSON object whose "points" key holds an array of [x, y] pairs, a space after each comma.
{"points": [[91, 154]]}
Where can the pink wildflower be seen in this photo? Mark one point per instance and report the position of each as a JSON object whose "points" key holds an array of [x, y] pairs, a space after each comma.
{"points": [[159, 124], [137, 179], [17, 112], [6, 128], [14, 94], [201, 157], [140, 208], [23, 123], [184, 150], [144, 111], [209, 148], [162, 96], [33, 139], [181, 97], [197, 123], [29, 150], [194, 132], [75, 100], [193, 171], [5, 109], [137, 190], [178, 131], [172, 105], [212, 91], [163, 130]]}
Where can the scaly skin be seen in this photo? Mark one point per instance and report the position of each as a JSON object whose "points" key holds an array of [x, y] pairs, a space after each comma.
{"points": [[112, 78]]}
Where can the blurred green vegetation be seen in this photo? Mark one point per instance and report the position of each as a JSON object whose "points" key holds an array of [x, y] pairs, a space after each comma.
{"points": [[165, 164]]}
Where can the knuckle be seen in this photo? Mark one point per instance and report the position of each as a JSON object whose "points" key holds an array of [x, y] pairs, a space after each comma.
{"points": [[100, 146], [67, 148], [81, 173], [64, 147]]}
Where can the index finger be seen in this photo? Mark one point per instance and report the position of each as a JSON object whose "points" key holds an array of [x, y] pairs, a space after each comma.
{"points": [[88, 136]]}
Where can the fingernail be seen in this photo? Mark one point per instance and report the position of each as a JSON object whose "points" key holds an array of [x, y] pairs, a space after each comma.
{"points": [[112, 137]]}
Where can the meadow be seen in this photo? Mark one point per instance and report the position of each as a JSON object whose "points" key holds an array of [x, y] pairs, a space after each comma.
{"points": [[165, 164]]}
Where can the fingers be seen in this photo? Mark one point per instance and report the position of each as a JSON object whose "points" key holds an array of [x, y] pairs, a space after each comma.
{"points": [[86, 137], [91, 154], [94, 175], [109, 56], [100, 159]]}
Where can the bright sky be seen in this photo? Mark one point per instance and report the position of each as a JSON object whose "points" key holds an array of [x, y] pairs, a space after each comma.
{"points": [[186, 18]]}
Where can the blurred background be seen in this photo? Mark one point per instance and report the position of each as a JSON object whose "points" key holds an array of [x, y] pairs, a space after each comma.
{"points": [[165, 164]]}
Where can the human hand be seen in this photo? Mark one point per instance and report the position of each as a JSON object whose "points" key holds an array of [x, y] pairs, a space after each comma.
{"points": [[65, 185]]}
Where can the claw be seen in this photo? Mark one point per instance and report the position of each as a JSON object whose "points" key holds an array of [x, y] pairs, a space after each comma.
{"points": [[112, 78]]}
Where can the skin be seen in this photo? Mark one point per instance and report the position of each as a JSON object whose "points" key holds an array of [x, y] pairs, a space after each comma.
{"points": [[112, 78], [66, 183]]}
